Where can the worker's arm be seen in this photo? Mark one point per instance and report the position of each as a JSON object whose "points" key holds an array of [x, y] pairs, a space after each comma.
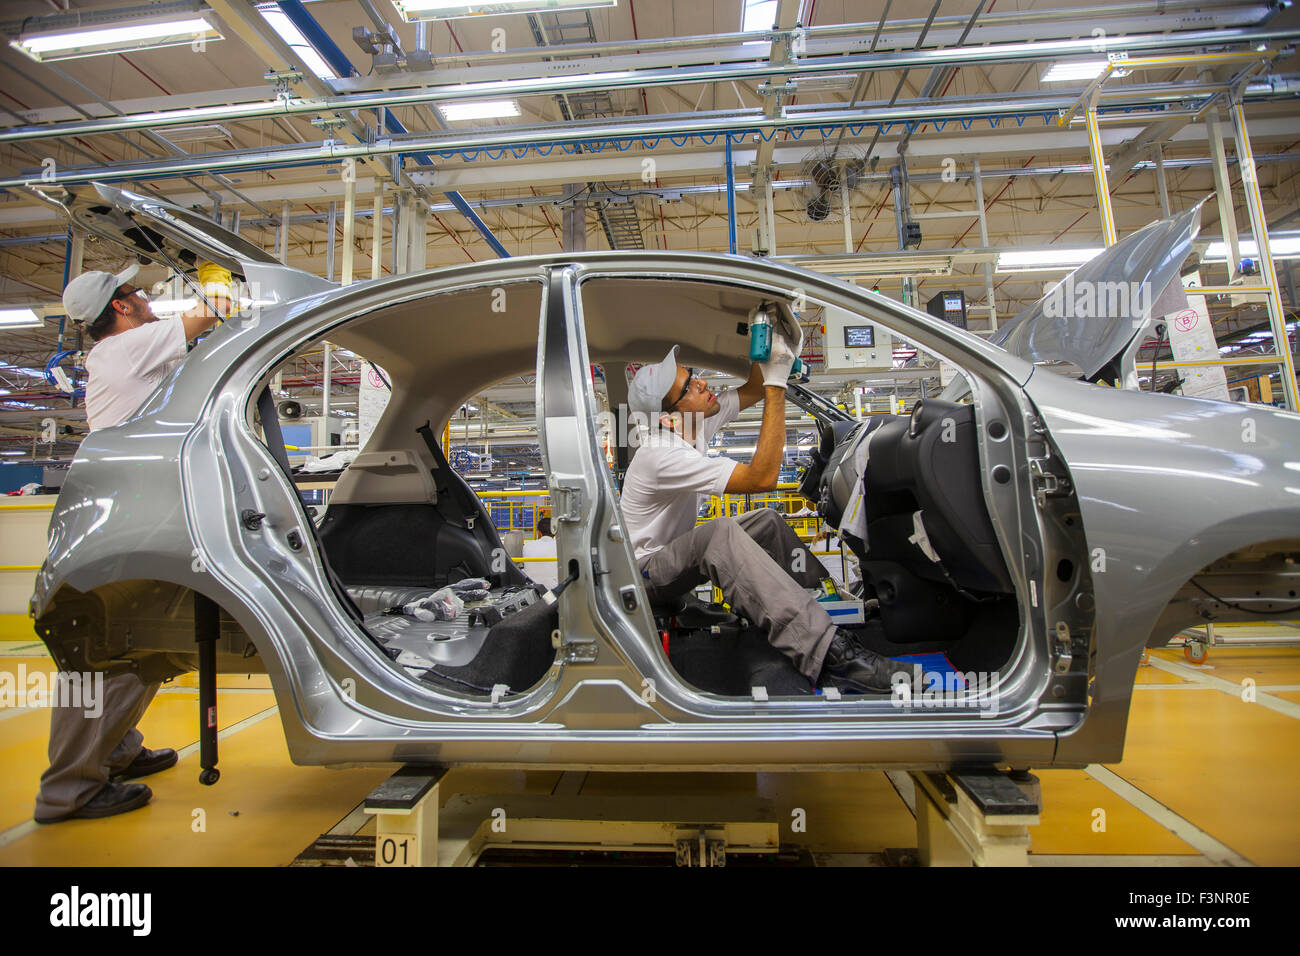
{"points": [[751, 393], [201, 318], [764, 469]]}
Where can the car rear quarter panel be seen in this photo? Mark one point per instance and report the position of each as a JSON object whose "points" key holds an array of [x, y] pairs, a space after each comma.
{"points": [[1166, 485]]}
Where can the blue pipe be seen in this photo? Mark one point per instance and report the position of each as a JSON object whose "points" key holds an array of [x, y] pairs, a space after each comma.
{"points": [[340, 64], [731, 202]]}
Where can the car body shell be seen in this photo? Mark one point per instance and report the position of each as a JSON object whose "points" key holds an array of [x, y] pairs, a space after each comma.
{"points": [[150, 512]]}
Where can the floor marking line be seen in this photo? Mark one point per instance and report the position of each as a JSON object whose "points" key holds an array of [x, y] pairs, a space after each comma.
{"points": [[28, 827], [191, 749], [1278, 704], [1218, 853], [8, 712], [17, 832]]}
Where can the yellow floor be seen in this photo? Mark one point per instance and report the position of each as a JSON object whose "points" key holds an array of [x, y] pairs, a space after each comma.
{"points": [[1224, 765]]}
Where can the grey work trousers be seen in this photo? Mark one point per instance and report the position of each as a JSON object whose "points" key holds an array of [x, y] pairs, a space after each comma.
{"points": [[86, 751], [762, 568]]}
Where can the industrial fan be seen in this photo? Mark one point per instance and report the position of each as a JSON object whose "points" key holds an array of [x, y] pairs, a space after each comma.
{"points": [[822, 172]]}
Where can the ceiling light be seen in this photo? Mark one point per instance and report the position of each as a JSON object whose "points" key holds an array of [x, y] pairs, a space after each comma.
{"points": [[1078, 70], [201, 133], [291, 35], [413, 10], [145, 35], [1281, 247], [484, 109], [172, 306], [20, 319], [1045, 260]]}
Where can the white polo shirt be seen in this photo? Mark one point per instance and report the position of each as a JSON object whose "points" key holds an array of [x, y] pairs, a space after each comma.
{"points": [[668, 478], [124, 369]]}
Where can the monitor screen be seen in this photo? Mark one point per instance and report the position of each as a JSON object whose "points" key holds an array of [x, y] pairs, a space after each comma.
{"points": [[952, 303], [859, 336]]}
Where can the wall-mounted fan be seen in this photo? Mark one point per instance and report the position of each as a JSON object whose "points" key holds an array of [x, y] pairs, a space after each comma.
{"points": [[822, 171]]}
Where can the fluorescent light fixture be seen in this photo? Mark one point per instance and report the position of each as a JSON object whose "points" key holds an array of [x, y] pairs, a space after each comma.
{"points": [[1281, 247], [20, 319], [484, 109], [757, 15], [1045, 260], [146, 35], [12, 453], [172, 306], [200, 133], [413, 10], [1074, 71], [291, 35]]}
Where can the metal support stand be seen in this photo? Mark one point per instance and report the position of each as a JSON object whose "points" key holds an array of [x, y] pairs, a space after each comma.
{"points": [[406, 810], [975, 818], [207, 628], [413, 831]]}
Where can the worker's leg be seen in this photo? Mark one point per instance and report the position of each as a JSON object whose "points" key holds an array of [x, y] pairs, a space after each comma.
{"points": [[751, 582], [82, 746], [775, 536]]}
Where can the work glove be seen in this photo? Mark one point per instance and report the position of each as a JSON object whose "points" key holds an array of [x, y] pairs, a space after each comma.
{"points": [[776, 370]]}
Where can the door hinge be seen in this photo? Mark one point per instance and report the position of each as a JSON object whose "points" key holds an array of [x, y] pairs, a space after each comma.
{"points": [[1046, 484], [577, 650], [1063, 656], [567, 503]]}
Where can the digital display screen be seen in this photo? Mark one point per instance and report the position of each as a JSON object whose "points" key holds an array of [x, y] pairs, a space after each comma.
{"points": [[952, 303], [859, 336]]}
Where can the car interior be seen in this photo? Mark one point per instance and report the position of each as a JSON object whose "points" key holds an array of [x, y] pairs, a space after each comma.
{"points": [[401, 524]]}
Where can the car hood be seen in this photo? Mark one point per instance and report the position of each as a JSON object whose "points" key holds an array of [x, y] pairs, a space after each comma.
{"points": [[173, 236], [1099, 312]]}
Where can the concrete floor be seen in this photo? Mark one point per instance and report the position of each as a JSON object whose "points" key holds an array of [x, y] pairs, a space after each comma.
{"points": [[1207, 778]]}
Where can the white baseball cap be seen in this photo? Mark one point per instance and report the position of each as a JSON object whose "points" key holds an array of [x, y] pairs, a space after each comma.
{"points": [[86, 295], [651, 384]]}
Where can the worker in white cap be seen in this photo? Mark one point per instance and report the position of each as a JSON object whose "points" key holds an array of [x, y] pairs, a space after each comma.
{"points": [[756, 559], [95, 752]]}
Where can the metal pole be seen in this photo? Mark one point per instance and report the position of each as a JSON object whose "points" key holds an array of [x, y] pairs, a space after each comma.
{"points": [[844, 210], [377, 233], [731, 200], [770, 199], [574, 220], [331, 223], [1268, 272], [1020, 51], [977, 180], [284, 233], [1099, 177], [349, 223], [419, 237], [401, 213], [325, 390], [1162, 185], [1223, 194]]}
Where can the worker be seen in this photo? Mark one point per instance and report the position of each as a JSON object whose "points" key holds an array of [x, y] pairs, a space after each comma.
{"points": [[93, 758], [761, 566]]}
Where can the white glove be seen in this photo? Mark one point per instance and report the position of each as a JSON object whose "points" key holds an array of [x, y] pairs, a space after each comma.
{"points": [[776, 370]]}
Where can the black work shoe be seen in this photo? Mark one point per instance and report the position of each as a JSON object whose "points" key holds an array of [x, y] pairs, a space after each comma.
{"points": [[850, 667], [146, 762], [112, 799]]}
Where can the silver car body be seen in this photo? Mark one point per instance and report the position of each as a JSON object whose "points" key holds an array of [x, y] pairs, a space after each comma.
{"points": [[1106, 505]]}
